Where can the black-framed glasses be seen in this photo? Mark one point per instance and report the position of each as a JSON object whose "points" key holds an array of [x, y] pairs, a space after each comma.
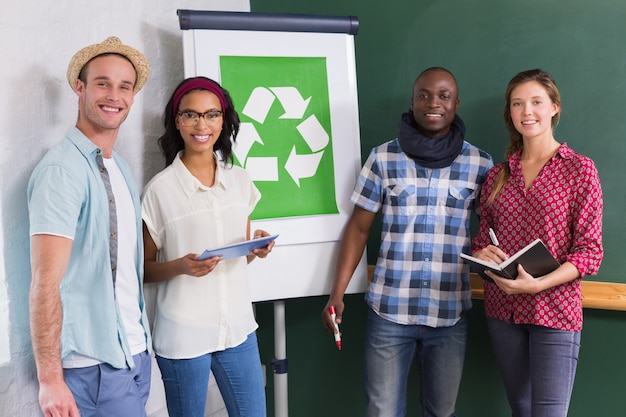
{"points": [[191, 118]]}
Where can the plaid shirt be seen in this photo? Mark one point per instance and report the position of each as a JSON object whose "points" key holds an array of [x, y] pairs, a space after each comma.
{"points": [[419, 276]]}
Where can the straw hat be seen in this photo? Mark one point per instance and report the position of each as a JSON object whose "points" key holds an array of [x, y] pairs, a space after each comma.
{"points": [[111, 45]]}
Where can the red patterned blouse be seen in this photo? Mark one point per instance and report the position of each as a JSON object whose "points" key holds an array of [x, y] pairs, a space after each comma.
{"points": [[563, 207]]}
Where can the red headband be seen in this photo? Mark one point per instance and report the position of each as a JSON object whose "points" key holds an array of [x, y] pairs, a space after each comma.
{"points": [[196, 84]]}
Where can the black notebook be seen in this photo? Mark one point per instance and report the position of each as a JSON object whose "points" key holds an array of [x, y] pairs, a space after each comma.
{"points": [[535, 258]]}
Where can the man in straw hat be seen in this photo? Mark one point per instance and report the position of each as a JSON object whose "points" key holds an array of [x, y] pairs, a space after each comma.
{"points": [[89, 328]]}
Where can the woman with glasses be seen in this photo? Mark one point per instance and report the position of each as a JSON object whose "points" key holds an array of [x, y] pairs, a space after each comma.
{"points": [[204, 319]]}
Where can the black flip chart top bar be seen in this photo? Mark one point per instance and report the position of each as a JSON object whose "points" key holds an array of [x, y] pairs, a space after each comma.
{"points": [[273, 22]]}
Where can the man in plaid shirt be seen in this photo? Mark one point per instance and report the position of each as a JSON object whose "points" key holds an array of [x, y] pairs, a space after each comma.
{"points": [[426, 183]]}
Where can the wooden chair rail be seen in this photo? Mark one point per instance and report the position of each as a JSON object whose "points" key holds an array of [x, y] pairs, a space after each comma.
{"points": [[599, 295]]}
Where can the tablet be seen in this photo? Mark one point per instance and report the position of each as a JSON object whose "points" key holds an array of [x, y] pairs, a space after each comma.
{"points": [[237, 249]]}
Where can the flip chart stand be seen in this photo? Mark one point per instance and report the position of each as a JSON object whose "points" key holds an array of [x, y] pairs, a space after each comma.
{"points": [[209, 36], [279, 363]]}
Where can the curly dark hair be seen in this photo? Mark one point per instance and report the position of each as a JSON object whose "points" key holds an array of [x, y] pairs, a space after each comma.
{"points": [[171, 142]]}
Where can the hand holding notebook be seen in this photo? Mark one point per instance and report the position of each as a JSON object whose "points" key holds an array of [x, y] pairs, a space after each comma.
{"points": [[535, 258]]}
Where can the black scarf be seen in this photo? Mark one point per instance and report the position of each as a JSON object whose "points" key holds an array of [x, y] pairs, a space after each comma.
{"points": [[430, 152]]}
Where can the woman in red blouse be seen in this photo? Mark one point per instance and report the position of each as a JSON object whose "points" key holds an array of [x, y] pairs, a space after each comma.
{"points": [[544, 190]]}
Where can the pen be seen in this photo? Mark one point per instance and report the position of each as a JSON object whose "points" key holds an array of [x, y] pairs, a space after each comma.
{"points": [[494, 239], [337, 335]]}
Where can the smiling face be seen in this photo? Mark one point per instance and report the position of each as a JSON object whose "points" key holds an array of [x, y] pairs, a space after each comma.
{"points": [[532, 110], [201, 137], [105, 95], [435, 102]]}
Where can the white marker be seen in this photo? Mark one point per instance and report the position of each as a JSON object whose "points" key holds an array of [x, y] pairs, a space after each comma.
{"points": [[494, 239]]}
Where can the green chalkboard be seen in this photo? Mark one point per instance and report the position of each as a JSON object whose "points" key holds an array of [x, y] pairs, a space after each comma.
{"points": [[484, 43]]}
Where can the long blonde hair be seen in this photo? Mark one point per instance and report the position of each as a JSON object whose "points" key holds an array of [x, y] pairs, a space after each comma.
{"points": [[515, 138]]}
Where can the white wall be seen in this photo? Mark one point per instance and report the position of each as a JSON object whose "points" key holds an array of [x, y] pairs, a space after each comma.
{"points": [[37, 41]]}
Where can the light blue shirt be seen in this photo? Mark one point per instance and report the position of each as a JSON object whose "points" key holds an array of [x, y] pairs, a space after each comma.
{"points": [[67, 197]]}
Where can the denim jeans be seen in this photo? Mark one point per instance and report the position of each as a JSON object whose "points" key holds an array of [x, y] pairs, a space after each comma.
{"points": [[102, 390], [238, 375], [538, 366], [389, 351]]}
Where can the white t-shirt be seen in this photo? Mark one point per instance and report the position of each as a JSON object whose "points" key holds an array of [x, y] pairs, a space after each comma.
{"points": [[199, 315], [127, 282]]}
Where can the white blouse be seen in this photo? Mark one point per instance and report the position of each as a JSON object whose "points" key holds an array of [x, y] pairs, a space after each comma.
{"points": [[199, 315]]}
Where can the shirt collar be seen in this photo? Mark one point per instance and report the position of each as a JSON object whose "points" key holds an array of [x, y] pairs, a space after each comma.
{"points": [[564, 151], [82, 142], [85, 145], [191, 184]]}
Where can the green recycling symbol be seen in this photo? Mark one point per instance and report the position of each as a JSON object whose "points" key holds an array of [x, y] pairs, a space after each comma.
{"points": [[298, 165], [284, 140]]}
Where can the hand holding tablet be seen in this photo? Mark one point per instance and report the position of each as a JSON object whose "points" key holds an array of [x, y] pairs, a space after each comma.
{"points": [[237, 249]]}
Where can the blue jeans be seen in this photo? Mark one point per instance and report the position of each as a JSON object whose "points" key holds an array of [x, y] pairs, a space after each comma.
{"points": [[389, 352], [102, 390], [538, 366], [238, 375]]}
